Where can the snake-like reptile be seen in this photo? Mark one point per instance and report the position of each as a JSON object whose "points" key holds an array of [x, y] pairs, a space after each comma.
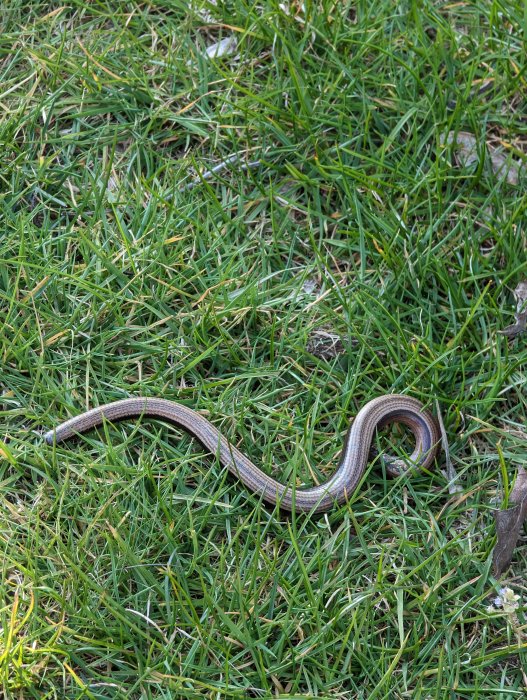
{"points": [[337, 489]]}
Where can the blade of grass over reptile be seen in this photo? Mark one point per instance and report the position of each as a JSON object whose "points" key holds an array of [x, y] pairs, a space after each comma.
{"points": [[337, 489]]}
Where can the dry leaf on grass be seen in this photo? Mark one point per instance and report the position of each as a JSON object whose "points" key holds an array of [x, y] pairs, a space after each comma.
{"points": [[326, 345], [220, 49], [520, 325], [521, 292], [509, 523], [467, 153], [225, 47], [206, 14], [293, 9], [516, 328], [310, 286]]}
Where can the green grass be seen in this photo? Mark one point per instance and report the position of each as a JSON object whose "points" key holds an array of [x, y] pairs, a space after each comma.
{"points": [[133, 565]]}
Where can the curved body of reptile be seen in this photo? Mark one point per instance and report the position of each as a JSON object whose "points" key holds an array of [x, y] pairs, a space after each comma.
{"points": [[337, 489]]}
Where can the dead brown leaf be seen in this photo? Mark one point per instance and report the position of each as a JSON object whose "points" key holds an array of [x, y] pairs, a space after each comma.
{"points": [[521, 292], [467, 153], [326, 345], [516, 328], [509, 523], [520, 325]]}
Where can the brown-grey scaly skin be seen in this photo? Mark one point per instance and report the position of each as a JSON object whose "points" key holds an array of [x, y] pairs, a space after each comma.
{"points": [[337, 489]]}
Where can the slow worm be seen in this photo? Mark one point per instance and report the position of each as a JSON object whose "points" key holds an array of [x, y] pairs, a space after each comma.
{"points": [[337, 489]]}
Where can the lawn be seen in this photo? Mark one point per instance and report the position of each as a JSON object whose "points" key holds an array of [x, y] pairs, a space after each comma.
{"points": [[272, 230]]}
